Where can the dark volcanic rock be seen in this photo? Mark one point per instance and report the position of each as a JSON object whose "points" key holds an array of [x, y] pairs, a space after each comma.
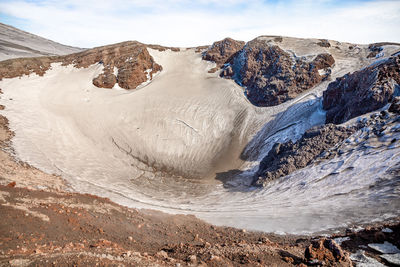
{"points": [[272, 75], [362, 91], [130, 58], [285, 158], [220, 52], [395, 106]]}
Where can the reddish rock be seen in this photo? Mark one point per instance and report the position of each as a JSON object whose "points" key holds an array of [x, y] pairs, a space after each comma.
{"points": [[12, 184], [362, 91], [105, 80], [220, 52], [328, 252], [130, 58], [272, 75]]}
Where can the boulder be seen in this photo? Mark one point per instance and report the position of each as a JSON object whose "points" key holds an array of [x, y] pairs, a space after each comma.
{"points": [[395, 106]]}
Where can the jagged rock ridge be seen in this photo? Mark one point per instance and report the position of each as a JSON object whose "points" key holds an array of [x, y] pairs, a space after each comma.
{"points": [[362, 91], [130, 60], [285, 158], [270, 74]]}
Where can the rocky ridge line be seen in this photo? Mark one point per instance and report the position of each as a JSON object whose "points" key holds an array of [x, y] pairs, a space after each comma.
{"points": [[131, 59]]}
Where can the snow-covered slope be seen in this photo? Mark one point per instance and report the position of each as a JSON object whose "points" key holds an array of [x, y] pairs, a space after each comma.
{"points": [[169, 144], [15, 43]]}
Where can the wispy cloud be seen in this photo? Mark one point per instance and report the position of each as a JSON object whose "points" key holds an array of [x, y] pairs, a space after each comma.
{"points": [[187, 23]]}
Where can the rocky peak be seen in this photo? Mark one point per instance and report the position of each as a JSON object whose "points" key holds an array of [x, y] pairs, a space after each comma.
{"points": [[272, 75], [221, 51]]}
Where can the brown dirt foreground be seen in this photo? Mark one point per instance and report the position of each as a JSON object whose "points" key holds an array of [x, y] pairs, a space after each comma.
{"points": [[42, 228]]}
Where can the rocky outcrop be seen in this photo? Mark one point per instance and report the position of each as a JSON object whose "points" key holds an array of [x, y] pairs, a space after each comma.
{"points": [[131, 59], [286, 158], [395, 106], [376, 48], [163, 48], [324, 43], [129, 64], [272, 75], [220, 52], [363, 91], [326, 251]]}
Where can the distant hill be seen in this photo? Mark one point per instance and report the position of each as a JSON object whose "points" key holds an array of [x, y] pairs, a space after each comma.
{"points": [[15, 43]]}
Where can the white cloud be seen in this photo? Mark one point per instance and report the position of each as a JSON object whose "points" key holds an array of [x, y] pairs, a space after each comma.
{"points": [[189, 23]]}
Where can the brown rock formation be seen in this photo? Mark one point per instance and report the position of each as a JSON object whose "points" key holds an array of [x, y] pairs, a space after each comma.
{"points": [[272, 75], [105, 80], [327, 251], [362, 91], [220, 52], [163, 48], [323, 61], [130, 58], [285, 158], [324, 43]]}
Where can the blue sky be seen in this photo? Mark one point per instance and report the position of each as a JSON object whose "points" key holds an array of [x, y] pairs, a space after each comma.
{"points": [[88, 23]]}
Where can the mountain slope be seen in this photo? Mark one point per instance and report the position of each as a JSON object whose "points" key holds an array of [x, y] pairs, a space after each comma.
{"points": [[15, 43], [151, 147]]}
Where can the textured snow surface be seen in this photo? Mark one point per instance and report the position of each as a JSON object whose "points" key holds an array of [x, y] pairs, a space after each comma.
{"points": [[392, 258], [364, 261], [169, 145], [340, 240], [386, 248]]}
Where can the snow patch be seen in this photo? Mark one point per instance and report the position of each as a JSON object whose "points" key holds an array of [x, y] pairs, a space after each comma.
{"points": [[392, 258], [386, 248], [364, 261], [340, 240]]}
